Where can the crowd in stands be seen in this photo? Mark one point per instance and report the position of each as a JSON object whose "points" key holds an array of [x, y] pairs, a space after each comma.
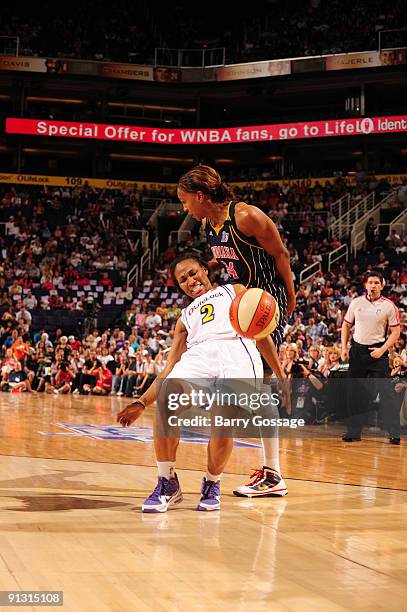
{"points": [[59, 242], [131, 33], [319, 27], [78, 32], [67, 249], [119, 361]]}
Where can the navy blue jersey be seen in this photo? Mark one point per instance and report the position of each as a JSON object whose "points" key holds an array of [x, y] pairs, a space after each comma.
{"points": [[247, 263]]}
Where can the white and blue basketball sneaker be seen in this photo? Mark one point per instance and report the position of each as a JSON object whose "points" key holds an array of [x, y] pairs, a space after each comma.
{"points": [[210, 496], [166, 495]]}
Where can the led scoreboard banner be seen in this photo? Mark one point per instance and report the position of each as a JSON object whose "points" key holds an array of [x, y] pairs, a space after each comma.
{"points": [[242, 134]]}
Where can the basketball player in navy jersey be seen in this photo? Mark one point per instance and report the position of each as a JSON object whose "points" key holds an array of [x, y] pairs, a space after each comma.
{"points": [[248, 243]]}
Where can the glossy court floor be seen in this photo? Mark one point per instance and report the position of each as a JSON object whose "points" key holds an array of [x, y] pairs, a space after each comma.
{"points": [[71, 486]]}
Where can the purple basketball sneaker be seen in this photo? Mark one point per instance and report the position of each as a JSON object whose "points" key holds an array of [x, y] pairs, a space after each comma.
{"points": [[210, 496], [166, 495]]}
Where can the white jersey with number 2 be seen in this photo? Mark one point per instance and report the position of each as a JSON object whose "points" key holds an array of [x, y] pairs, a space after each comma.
{"points": [[214, 349], [207, 317]]}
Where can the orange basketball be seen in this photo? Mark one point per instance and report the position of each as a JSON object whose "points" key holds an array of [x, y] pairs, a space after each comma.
{"points": [[254, 313]]}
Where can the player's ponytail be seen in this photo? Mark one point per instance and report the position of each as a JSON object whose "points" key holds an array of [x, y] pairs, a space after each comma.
{"points": [[207, 180], [222, 193]]}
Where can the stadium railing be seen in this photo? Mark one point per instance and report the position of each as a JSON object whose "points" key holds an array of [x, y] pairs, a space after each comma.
{"points": [[341, 206], [342, 226], [400, 220], [136, 274], [188, 58], [358, 224], [9, 45], [161, 208], [155, 250], [342, 252], [133, 276], [145, 263], [180, 234], [392, 225], [309, 272], [143, 236]]}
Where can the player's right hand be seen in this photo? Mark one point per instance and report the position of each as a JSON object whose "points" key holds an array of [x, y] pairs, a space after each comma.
{"points": [[131, 413], [344, 355]]}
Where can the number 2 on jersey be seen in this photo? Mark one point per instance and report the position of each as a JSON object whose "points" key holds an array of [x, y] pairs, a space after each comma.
{"points": [[208, 312]]}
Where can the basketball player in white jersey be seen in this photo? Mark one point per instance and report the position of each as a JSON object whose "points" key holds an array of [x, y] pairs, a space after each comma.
{"points": [[205, 346]]}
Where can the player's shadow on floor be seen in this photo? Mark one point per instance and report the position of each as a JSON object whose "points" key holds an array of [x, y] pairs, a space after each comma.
{"points": [[56, 503]]}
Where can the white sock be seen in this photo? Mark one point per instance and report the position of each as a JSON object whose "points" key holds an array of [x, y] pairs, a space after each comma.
{"points": [[213, 477], [271, 453], [166, 469]]}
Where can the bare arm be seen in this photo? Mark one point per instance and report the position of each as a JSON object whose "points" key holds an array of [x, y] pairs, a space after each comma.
{"points": [[251, 221], [345, 329], [143, 382], [87, 370], [392, 339], [376, 353], [179, 346], [268, 351], [313, 379]]}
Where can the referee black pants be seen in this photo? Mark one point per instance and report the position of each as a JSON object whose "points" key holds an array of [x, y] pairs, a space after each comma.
{"points": [[369, 377]]}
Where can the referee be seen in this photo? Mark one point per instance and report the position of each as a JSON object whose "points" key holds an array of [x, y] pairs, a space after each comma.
{"points": [[373, 316]]}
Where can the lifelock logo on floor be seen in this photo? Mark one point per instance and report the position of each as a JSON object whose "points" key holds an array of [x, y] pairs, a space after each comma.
{"points": [[136, 434]]}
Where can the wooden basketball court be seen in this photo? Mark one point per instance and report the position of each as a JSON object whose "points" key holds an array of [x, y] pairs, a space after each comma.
{"points": [[72, 487]]}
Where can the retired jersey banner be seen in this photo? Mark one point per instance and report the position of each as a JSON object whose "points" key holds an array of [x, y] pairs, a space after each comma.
{"points": [[51, 65], [346, 61], [233, 72], [367, 59], [229, 72], [23, 64], [253, 133]]}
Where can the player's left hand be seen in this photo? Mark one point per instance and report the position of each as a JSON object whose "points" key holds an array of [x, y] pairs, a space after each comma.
{"points": [[284, 387], [291, 302], [130, 414], [376, 353]]}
